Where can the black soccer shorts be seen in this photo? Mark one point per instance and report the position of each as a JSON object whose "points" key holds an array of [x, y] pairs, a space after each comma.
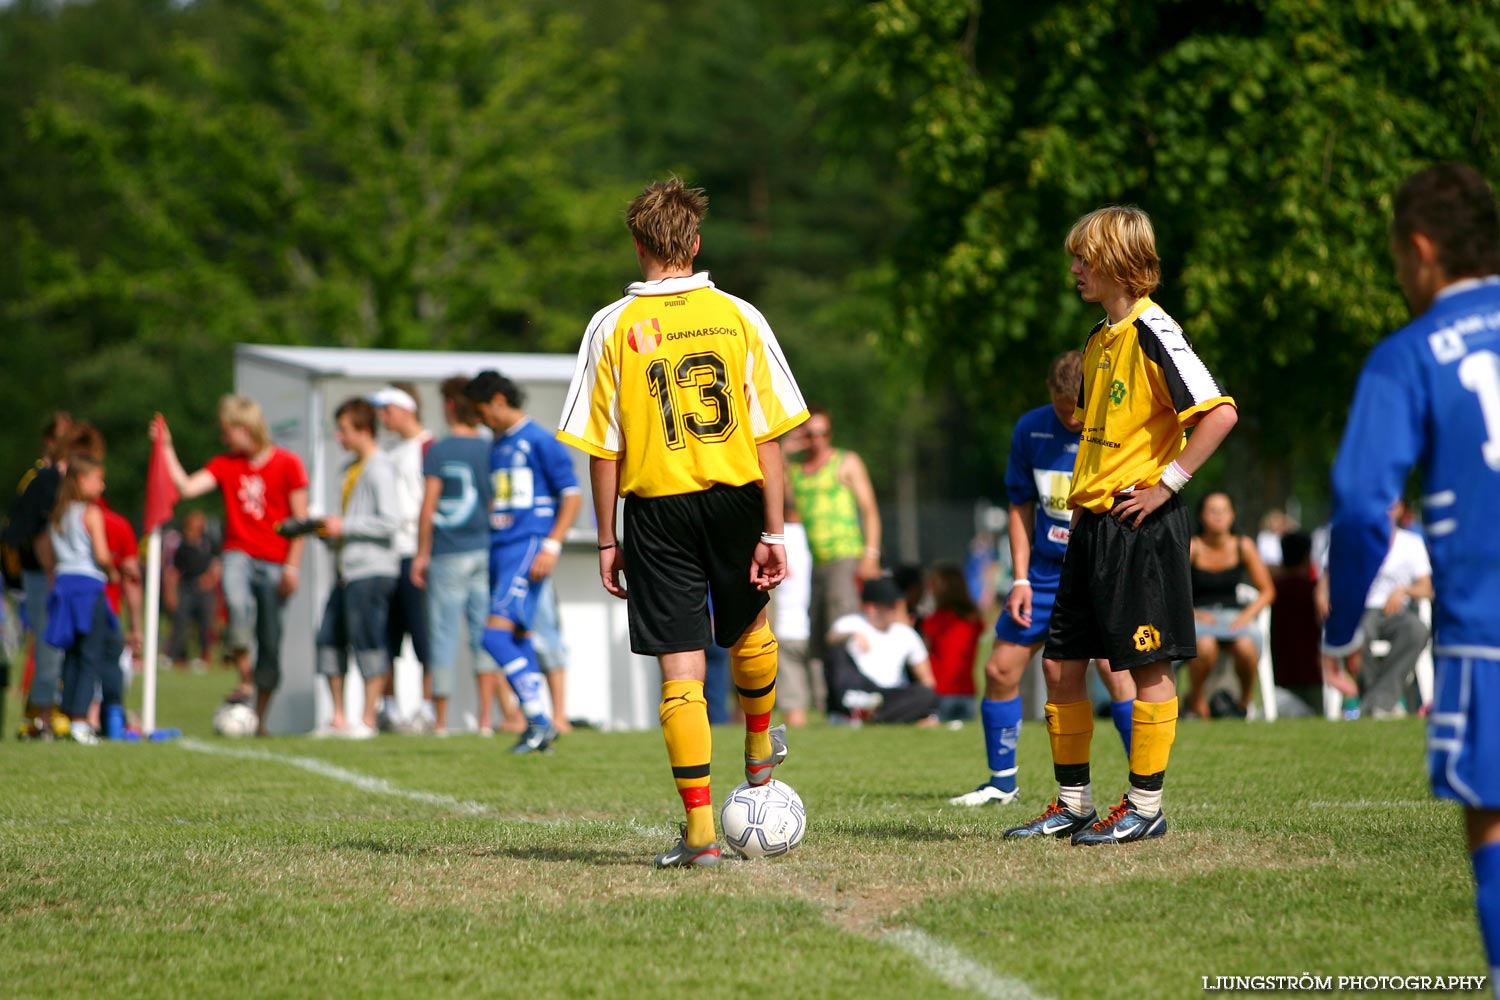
{"points": [[678, 551], [1126, 593]]}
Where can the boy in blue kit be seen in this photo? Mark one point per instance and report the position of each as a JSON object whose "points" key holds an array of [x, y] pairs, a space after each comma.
{"points": [[1429, 395], [536, 498], [1037, 474]]}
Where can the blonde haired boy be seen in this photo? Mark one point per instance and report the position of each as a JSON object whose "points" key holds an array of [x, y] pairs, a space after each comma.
{"points": [[679, 396], [1126, 591]]}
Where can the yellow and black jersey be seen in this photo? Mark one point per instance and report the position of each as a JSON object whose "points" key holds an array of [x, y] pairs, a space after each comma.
{"points": [[680, 382], [1142, 385]]}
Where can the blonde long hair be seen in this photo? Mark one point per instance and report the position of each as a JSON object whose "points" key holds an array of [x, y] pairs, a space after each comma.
{"points": [[1119, 243]]}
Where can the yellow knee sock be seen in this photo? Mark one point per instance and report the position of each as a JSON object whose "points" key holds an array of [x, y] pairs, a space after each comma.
{"points": [[752, 665], [1070, 728], [684, 723], [1153, 729]]}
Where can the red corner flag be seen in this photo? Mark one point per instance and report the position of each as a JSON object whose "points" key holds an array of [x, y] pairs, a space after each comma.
{"points": [[161, 492]]}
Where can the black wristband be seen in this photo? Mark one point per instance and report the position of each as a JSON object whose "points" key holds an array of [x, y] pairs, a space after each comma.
{"points": [[611, 545]]}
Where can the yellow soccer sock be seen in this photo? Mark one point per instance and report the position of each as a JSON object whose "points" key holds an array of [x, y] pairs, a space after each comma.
{"points": [[684, 723], [1070, 728], [752, 665], [1153, 729]]}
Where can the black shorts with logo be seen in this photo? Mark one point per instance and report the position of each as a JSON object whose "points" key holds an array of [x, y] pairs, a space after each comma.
{"points": [[680, 549], [1126, 594]]}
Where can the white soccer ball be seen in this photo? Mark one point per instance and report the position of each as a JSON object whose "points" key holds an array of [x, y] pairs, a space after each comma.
{"points": [[763, 821], [234, 719]]}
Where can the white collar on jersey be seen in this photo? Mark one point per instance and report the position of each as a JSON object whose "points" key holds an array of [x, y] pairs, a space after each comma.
{"points": [[670, 286], [515, 428], [1464, 284]]}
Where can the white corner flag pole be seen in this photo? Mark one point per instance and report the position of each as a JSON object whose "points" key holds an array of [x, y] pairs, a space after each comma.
{"points": [[153, 629]]}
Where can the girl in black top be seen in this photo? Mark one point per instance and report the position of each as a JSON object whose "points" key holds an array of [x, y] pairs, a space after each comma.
{"points": [[1222, 560]]}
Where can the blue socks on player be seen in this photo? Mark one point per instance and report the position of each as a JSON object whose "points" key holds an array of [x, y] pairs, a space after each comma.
{"points": [[1487, 899], [518, 660], [1120, 712], [1002, 731]]}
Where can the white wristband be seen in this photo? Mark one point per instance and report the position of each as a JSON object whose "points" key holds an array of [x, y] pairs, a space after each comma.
{"points": [[772, 538], [551, 546], [1174, 477], [1023, 582]]}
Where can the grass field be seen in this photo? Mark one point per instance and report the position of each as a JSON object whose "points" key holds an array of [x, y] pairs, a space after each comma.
{"points": [[419, 867]]}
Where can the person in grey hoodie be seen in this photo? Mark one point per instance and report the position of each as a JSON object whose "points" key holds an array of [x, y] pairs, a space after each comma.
{"points": [[363, 539]]}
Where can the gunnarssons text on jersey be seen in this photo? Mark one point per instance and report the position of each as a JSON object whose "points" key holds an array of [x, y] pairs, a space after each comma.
{"points": [[680, 382]]}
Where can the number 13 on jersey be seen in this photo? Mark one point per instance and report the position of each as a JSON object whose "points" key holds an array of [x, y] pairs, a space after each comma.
{"points": [[705, 372]]}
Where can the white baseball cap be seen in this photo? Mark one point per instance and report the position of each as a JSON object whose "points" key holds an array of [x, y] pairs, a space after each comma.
{"points": [[391, 396]]}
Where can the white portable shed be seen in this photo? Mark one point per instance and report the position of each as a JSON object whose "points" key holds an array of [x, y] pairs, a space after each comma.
{"points": [[299, 388]]}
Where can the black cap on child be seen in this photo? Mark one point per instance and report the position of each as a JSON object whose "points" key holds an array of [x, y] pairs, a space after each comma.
{"points": [[882, 591]]}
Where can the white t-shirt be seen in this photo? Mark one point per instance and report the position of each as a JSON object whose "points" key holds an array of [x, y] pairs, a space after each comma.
{"points": [[1268, 544], [889, 653], [411, 486], [793, 596], [1404, 565]]}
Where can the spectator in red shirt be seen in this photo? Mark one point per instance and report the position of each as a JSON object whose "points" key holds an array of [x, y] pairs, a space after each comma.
{"points": [[262, 486], [952, 635], [1296, 627]]}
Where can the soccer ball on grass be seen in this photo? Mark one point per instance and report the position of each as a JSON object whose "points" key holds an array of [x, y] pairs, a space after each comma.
{"points": [[763, 821], [234, 719]]}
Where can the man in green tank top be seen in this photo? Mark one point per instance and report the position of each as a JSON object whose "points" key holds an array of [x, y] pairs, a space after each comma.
{"points": [[837, 506]]}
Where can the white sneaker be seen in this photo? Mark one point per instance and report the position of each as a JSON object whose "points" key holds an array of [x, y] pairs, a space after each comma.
{"points": [[486, 731], [985, 795], [862, 706], [357, 731], [82, 732]]}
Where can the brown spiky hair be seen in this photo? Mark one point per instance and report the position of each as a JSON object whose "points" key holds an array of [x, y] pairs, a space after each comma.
{"points": [[665, 217], [1066, 373]]}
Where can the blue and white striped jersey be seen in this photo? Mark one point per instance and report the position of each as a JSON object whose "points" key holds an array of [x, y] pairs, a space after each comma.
{"points": [[1429, 395]]}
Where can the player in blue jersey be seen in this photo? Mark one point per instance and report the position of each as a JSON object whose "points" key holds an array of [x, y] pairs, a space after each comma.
{"points": [[1429, 395], [1037, 475], [536, 498]]}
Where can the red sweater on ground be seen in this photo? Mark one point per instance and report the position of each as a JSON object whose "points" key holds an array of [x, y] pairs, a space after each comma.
{"points": [[952, 641]]}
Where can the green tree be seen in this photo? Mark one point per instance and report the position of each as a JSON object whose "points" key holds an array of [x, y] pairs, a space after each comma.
{"points": [[1265, 139], [382, 175]]}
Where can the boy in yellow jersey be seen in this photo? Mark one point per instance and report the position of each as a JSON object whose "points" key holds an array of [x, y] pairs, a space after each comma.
{"points": [[679, 396], [1126, 592]]}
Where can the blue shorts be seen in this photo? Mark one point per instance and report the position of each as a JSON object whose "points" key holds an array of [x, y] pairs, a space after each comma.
{"points": [[512, 595], [1044, 578], [1463, 731]]}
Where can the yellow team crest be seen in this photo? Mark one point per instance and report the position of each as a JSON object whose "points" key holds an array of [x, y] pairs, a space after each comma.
{"points": [[1147, 638]]}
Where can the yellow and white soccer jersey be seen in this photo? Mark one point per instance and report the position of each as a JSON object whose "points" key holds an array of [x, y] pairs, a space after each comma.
{"points": [[680, 382], [1142, 385]]}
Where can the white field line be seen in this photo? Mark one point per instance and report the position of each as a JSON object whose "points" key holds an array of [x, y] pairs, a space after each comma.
{"points": [[957, 969], [1352, 805], [942, 960], [364, 782], [379, 786]]}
